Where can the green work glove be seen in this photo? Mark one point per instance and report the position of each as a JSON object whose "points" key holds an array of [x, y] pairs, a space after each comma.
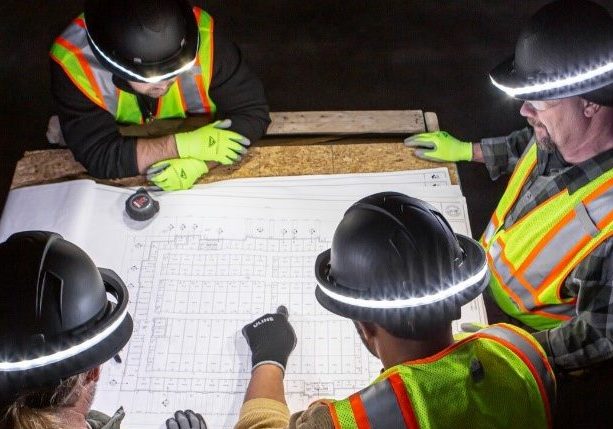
{"points": [[440, 146], [176, 174], [213, 142]]}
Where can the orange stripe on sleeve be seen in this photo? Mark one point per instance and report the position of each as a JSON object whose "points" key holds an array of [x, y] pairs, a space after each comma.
{"points": [[359, 412], [404, 402], [337, 424]]}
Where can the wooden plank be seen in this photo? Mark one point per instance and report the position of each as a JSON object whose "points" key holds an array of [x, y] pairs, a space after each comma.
{"points": [[431, 121], [347, 122], [352, 155]]}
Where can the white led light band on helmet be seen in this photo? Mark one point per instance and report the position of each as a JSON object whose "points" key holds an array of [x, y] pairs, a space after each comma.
{"points": [[555, 84], [408, 302], [64, 354], [151, 79]]}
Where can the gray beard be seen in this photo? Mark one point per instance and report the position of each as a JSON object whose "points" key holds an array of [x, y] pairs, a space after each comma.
{"points": [[546, 145]]}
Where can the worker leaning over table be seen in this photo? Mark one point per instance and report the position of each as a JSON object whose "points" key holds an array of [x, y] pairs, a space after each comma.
{"points": [[549, 244], [130, 78], [397, 270], [57, 327]]}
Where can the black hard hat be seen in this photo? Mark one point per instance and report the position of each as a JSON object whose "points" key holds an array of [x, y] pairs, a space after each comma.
{"points": [[565, 49], [395, 254], [56, 318], [142, 40]]}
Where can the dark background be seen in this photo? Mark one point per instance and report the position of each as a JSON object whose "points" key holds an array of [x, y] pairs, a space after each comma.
{"points": [[327, 55], [313, 55]]}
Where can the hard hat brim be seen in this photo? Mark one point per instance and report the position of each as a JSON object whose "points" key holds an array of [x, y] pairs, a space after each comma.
{"points": [[94, 356], [474, 264], [149, 73], [508, 79]]}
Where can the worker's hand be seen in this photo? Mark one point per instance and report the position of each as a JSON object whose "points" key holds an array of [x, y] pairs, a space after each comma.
{"points": [[186, 420], [467, 329], [271, 339], [472, 326], [176, 174], [213, 142], [440, 146]]}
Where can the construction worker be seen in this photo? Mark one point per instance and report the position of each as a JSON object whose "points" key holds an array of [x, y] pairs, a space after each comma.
{"points": [[57, 327], [147, 86], [397, 270], [549, 244]]}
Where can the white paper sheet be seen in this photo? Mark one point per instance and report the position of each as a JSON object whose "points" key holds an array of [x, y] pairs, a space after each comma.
{"points": [[203, 268]]}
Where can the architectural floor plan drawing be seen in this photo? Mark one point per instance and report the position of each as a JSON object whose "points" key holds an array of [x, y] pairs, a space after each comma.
{"points": [[193, 287], [203, 268]]}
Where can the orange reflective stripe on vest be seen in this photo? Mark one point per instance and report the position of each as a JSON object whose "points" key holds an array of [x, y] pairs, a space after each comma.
{"points": [[195, 87], [187, 95], [417, 393], [72, 52], [525, 346], [531, 259], [381, 405]]}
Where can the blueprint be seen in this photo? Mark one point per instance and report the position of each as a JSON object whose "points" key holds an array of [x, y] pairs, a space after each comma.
{"points": [[212, 260]]}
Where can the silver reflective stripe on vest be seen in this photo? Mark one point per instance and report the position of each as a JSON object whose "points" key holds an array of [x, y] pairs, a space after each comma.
{"points": [[77, 36], [489, 232], [558, 246], [189, 89], [381, 405], [584, 217], [530, 351], [566, 239], [510, 279]]}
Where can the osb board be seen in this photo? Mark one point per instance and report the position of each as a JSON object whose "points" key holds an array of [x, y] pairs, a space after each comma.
{"points": [[289, 157], [347, 122]]}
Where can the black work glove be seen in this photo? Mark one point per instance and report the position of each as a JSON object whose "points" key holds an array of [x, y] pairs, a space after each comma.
{"points": [[271, 339], [186, 420]]}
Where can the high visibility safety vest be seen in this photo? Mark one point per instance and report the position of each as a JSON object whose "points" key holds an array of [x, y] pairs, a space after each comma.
{"points": [[498, 377], [188, 94], [530, 260]]}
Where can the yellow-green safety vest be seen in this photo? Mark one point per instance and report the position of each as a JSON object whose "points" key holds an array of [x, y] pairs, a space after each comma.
{"points": [[187, 95], [498, 377], [530, 260]]}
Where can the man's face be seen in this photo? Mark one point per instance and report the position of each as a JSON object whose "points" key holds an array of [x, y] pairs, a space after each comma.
{"points": [[153, 90], [557, 123]]}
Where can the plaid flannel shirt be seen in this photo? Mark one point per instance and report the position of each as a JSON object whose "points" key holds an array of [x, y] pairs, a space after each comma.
{"points": [[588, 337]]}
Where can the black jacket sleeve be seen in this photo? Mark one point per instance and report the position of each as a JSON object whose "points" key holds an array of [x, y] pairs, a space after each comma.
{"points": [[90, 131], [237, 92], [93, 136]]}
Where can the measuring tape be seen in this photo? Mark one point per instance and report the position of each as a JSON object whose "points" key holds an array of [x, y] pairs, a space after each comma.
{"points": [[141, 206]]}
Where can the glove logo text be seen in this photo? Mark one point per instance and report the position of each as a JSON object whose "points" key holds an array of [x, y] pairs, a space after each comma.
{"points": [[262, 321], [211, 141]]}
